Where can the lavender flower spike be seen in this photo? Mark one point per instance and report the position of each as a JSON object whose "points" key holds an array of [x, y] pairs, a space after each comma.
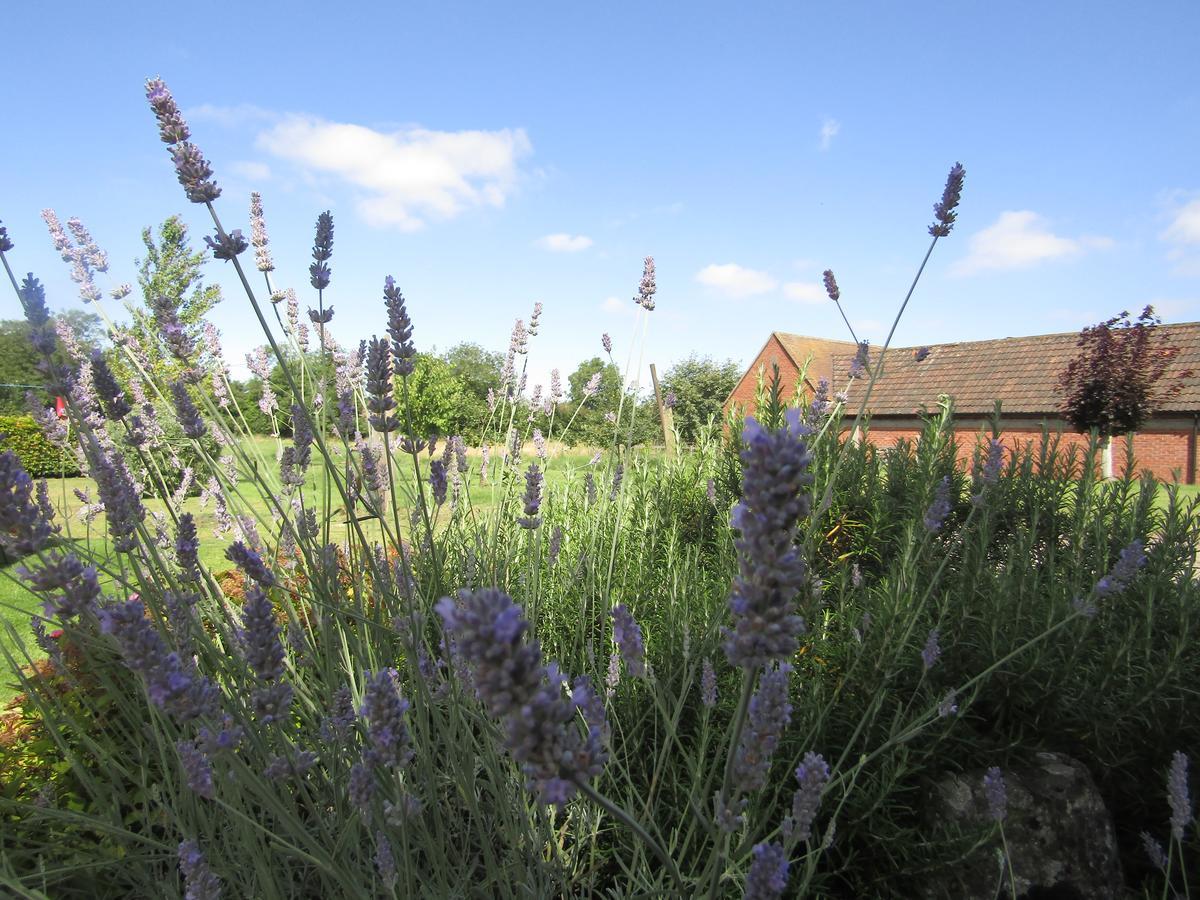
{"points": [[198, 878], [996, 793], [6, 243], [932, 650], [812, 775], [935, 516], [943, 210], [708, 685], [489, 631], [768, 875], [1177, 795], [399, 328], [258, 235], [771, 572], [831, 287], [533, 497], [227, 244], [185, 408], [647, 289], [628, 637], [322, 251], [191, 167], [24, 524], [770, 712], [259, 635], [384, 710]]}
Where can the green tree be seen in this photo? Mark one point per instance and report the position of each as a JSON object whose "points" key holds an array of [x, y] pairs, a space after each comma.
{"points": [[478, 370], [18, 361], [437, 398], [172, 271], [700, 386]]}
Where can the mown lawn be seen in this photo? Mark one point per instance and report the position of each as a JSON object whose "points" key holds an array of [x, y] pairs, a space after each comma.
{"points": [[17, 604]]}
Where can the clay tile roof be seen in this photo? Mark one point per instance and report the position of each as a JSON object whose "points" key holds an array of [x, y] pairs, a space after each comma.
{"points": [[824, 352], [1022, 372]]}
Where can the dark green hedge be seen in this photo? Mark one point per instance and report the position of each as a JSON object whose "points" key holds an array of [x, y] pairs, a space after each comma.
{"points": [[40, 457]]}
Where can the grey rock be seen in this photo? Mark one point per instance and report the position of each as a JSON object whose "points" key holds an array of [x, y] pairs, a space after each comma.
{"points": [[1060, 836]]}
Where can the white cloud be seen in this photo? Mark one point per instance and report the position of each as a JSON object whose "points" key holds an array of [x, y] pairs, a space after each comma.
{"points": [[735, 280], [829, 130], [407, 176], [564, 243], [1183, 229], [617, 307], [1020, 239], [805, 291], [251, 171], [229, 116]]}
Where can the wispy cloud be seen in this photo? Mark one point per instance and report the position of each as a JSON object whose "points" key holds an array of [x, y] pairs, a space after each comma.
{"points": [[251, 171], [736, 281], [230, 116], [1020, 239], [805, 291], [564, 243], [408, 176], [615, 306], [829, 130], [1183, 234]]}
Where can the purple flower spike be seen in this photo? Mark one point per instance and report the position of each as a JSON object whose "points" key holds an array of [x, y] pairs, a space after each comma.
{"points": [[199, 881], [770, 713], [322, 251], [831, 287], [647, 289], [935, 516], [812, 775], [606, 342], [171, 126], [996, 793], [196, 768], [185, 408], [489, 632], [384, 710], [771, 571], [1131, 560], [768, 875], [1177, 795], [6, 243], [932, 650], [258, 236], [379, 386], [943, 210], [227, 245], [25, 525], [708, 685], [400, 328], [628, 637], [259, 635], [533, 498]]}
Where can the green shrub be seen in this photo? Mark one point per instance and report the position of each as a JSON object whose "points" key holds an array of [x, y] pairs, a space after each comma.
{"points": [[38, 454]]}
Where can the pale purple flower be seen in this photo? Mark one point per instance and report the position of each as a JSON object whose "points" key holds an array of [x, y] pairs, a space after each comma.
{"points": [[996, 794], [1132, 559], [556, 539], [385, 862], [384, 710], [6, 243], [259, 635], [862, 360], [197, 768], [994, 461], [592, 386], [119, 494], [533, 319], [258, 235], [613, 676], [769, 714], [627, 635], [539, 443], [932, 649], [1177, 795], [199, 881], [173, 686], [708, 685], [812, 775], [68, 586], [489, 631], [533, 497], [25, 523], [606, 342], [943, 210], [272, 703], [556, 391], [768, 875], [1154, 851], [227, 245], [935, 516], [949, 705], [439, 483], [647, 288], [322, 251], [771, 571]]}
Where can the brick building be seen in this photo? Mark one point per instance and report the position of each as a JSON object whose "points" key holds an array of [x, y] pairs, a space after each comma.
{"points": [[1021, 372]]}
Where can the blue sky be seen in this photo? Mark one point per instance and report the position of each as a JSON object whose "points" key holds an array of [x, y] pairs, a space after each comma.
{"points": [[492, 155]]}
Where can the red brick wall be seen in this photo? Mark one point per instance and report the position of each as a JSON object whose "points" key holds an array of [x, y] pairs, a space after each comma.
{"points": [[743, 394], [1166, 454]]}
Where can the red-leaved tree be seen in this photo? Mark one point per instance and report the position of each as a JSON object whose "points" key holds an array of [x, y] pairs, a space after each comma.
{"points": [[1119, 377]]}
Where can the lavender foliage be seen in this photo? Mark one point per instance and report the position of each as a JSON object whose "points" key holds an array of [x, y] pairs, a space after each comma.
{"points": [[771, 571]]}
